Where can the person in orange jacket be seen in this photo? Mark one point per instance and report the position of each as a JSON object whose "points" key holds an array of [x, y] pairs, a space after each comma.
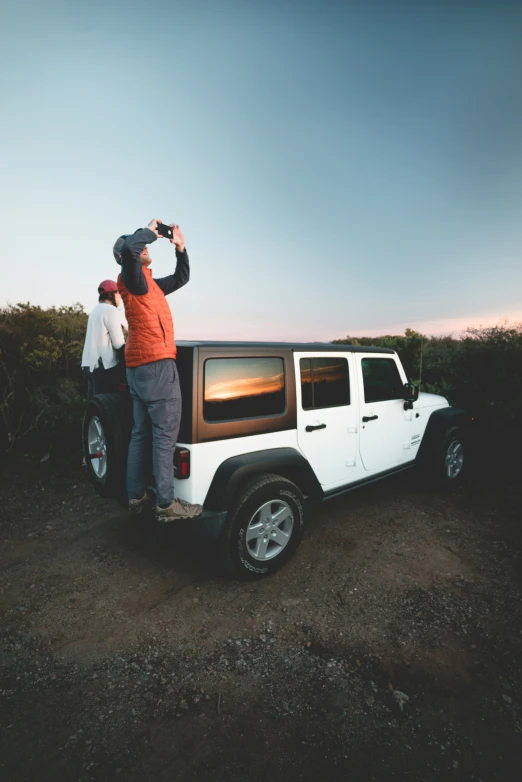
{"points": [[152, 375]]}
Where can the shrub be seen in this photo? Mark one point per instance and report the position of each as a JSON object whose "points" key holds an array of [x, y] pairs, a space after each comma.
{"points": [[482, 367], [41, 381], [42, 389]]}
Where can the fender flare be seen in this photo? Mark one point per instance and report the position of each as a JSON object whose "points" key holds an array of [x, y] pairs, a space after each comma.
{"points": [[233, 472], [438, 424]]}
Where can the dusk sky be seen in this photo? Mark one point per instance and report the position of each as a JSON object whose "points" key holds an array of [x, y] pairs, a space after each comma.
{"points": [[337, 167]]}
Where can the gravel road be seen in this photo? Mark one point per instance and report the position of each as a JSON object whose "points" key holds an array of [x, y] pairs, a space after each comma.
{"points": [[389, 648]]}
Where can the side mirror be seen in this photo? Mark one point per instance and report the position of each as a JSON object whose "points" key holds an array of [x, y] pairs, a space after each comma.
{"points": [[411, 392]]}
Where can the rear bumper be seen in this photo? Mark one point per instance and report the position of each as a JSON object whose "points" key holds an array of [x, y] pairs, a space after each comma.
{"points": [[205, 528]]}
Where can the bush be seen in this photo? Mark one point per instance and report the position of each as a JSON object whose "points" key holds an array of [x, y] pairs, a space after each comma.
{"points": [[41, 381], [483, 367], [42, 389]]}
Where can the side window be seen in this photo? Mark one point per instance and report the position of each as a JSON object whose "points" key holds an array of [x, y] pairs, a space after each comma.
{"points": [[324, 382], [382, 380], [236, 388]]}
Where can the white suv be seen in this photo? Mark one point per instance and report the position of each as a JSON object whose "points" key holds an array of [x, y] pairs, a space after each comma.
{"points": [[268, 426]]}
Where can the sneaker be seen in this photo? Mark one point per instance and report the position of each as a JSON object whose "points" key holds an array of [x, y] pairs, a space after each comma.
{"points": [[178, 509], [138, 506]]}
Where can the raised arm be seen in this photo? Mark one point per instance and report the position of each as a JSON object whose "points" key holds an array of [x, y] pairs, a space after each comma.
{"points": [[179, 278], [131, 269], [182, 271]]}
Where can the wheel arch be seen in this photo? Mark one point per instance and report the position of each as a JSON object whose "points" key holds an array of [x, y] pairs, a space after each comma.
{"points": [[439, 423], [233, 473]]}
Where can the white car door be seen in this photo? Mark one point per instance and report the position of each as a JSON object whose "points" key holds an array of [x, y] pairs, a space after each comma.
{"points": [[385, 434], [327, 415]]}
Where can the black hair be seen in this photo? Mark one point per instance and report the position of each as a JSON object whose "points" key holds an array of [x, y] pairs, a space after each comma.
{"points": [[108, 298]]}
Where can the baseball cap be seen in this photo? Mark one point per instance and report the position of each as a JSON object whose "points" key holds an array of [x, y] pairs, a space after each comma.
{"points": [[118, 244], [107, 286]]}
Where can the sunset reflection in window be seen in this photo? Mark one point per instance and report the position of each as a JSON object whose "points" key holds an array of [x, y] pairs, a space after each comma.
{"points": [[324, 382], [243, 388]]}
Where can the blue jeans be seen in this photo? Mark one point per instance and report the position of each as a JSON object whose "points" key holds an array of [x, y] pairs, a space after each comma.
{"points": [[156, 399]]}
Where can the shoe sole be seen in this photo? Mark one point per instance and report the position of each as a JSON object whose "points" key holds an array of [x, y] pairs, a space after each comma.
{"points": [[166, 519]]}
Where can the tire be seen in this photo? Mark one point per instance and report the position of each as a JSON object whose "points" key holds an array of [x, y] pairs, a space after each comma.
{"points": [[249, 549], [451, 466], [106, 431], [4, 436]]}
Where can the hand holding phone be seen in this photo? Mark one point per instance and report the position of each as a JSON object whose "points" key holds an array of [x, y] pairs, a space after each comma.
{"points": [[164, 230], [153, 225], [177, 238]]}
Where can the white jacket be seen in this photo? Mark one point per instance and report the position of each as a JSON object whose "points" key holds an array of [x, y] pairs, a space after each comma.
{"points": [[104, 336]]}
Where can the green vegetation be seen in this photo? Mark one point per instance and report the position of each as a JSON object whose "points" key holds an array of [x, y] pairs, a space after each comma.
{"points": [[41, 381], [42, 389], [483, 367]]}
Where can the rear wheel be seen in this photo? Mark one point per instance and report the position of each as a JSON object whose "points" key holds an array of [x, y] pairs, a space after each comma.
{"points": [[263, 528], [106, 430]]}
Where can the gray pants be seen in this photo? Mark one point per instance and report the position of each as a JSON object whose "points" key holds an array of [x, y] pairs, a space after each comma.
{"points": [[156, 398]]}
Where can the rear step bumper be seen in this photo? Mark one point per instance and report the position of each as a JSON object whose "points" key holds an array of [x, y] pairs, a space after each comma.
{"points": [[205, 528]]}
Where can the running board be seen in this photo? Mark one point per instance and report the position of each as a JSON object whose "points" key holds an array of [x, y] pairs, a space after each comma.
{"points": [[330, 495]]}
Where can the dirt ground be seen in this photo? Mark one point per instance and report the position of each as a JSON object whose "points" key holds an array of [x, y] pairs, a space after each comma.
{"points": [[389, 648]]}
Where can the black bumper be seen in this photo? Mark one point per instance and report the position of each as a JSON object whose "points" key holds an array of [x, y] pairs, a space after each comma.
{"points": [[205, 528]]}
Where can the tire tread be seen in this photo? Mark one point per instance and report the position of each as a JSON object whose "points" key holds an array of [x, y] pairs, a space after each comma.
{"points": [[246, 492]]}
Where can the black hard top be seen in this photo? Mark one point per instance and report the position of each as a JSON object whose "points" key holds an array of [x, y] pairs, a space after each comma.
{"points": [[299, 347]]}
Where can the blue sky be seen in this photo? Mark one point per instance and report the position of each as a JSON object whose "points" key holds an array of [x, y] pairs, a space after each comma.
{"points": [[337, 167]]}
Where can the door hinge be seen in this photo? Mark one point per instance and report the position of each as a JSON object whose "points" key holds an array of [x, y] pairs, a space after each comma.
{"points": [[352, 430], [351, 463]]}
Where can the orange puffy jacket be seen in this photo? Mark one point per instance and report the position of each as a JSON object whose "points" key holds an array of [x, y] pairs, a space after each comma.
{"points": [[151, 330]]}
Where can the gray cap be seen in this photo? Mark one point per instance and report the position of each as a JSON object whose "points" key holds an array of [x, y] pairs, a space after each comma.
{"points": [[118, 245]]}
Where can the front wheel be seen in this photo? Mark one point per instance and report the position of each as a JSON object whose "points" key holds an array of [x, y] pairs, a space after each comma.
{"points": [[263, 528], [453, 461]]}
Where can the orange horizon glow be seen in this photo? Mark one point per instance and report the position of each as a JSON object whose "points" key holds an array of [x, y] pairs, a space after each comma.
{"points": [[327, 374], [250, 386], [255, 386], [455, 326], [443, 326]]}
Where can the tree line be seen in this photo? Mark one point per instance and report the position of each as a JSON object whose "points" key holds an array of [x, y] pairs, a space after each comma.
{"points": [[42, 388]]}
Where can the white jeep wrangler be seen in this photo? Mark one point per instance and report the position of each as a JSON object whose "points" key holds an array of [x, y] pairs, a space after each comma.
{"points": [[266, 427]]}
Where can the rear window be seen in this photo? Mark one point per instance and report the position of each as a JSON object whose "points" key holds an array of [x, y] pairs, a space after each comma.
{"points": [[324, 382], [381, 380], [236, 388]]}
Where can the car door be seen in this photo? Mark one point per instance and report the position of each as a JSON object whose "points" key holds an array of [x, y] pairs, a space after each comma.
{"points": [[385, 433], [327, 415]]}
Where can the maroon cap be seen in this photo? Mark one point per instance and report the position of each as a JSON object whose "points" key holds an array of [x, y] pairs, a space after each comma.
{"points": [[107, 286]]}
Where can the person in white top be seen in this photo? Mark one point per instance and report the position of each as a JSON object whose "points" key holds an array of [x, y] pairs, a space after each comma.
{"points": [[102, 359]]}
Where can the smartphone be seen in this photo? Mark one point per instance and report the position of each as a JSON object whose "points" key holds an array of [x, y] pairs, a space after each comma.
{"points": [[164, 230]]}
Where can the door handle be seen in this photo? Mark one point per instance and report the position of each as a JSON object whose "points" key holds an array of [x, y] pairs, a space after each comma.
{"points": [[370, 418], [311, 428]]}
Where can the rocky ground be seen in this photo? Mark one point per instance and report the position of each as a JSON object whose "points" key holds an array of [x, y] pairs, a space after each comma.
{"points": [[389, 648]]}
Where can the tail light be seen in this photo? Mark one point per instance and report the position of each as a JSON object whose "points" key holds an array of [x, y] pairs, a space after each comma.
{"points": [[182, 463]]}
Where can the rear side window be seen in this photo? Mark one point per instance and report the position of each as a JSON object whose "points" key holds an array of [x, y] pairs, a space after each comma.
{"points": [[325, 382], [236, 388], [382, 380]]}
